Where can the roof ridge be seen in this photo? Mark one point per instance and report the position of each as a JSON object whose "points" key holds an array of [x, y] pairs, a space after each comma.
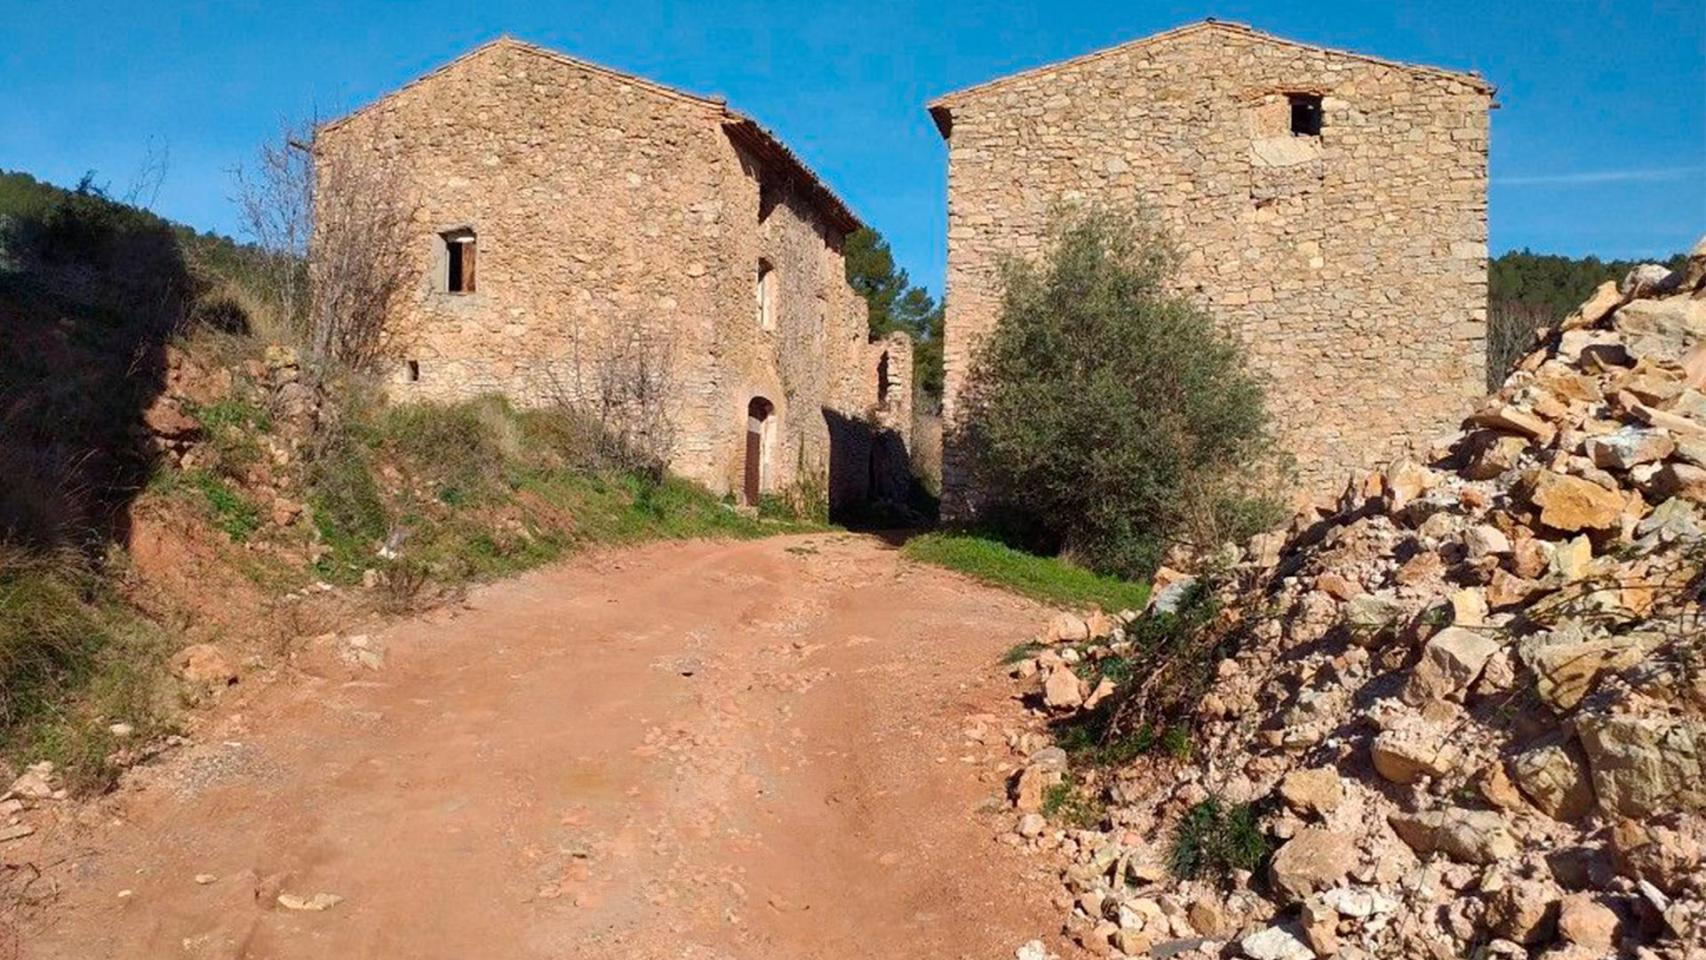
{"points": [[946, 99]]}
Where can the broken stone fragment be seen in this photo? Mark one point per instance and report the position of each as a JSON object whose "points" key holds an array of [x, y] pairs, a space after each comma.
{"points": [[1553, 775], [1468, 607], [1565, 670], [1524, 910], [1062, 690], [1067, 628], [1585, 922], [1605, 298], [1662, 329], [1315, 791], [1572, 559], [1572, 504], [1405, 757], [1275, 943], [1313, 859], [1485, 540], [1450, 662], [1646, 765], [1628, 447], [1683, 480], [1467, 836], [1515, 420]]}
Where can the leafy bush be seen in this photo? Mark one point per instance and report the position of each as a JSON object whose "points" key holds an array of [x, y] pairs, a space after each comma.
{"points": [[1214, 839], [1111, 408]]}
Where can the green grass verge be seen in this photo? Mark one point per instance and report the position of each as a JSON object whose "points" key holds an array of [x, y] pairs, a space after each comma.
{"points": [[1048, 579], [74, 660]]}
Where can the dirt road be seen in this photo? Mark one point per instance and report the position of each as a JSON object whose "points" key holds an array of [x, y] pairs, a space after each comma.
{"points": [[692, 751]]}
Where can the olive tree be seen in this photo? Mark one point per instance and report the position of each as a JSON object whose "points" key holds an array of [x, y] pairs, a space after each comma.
{"points": [[1109, 407]]}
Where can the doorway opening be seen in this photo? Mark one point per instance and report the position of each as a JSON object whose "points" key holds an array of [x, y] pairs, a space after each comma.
{"points": [[760, 426]]}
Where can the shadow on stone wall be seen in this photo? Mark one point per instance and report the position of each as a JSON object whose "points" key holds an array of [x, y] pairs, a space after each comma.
{"points": [[871, 485], [90, 293]]}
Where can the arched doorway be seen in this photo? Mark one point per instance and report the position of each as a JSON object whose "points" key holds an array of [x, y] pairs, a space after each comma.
{"points": [[760, 424]]}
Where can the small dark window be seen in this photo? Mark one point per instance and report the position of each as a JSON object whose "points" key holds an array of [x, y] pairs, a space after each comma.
{"points": [[412, 371], [1305, 114], [459, 251]]}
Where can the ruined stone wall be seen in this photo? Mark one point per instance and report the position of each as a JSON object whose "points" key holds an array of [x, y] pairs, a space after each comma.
{"points": [[608, 210], [1353, 264]]}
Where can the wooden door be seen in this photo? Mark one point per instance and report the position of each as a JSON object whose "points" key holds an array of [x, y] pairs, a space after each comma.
{"points": [[754, 442]]}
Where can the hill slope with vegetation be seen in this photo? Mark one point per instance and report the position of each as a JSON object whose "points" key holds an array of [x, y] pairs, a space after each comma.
{"points": [[190, 494]]}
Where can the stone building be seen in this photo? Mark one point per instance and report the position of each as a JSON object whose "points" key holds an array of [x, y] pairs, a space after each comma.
{"points": [[591, 237], [1330, 208]]}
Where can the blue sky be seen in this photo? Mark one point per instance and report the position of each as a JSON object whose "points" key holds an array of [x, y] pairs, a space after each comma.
{"points": [[1599, 145]]}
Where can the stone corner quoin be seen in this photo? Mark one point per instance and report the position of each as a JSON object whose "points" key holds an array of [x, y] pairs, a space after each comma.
{"points": [[1331, 209], [574, 222]]}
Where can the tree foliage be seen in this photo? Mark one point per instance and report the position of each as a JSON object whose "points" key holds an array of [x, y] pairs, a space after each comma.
{"points": [[1108, 407], [895, 304]]}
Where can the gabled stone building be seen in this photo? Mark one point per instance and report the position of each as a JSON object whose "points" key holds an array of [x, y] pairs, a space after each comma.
{"points": [[1330, 207], [582, 230]]}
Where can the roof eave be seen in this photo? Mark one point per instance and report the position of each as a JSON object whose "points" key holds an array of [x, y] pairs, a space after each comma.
{"points": [[767, 146]]}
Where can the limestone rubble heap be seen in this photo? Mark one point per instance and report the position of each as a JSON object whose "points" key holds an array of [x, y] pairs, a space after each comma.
{"points": [[1470, 708]]}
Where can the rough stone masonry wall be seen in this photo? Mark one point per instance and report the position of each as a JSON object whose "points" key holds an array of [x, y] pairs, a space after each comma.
{"points": [[812, 364], [604, 206], [1353, 264]]}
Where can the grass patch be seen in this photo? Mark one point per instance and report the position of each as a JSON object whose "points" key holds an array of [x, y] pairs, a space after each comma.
{"points": [[1022, 651], [1065, 804], [1048, 579], [478, 490], [1214, 839], [229, 510], [73, 661], [1087, 740]]}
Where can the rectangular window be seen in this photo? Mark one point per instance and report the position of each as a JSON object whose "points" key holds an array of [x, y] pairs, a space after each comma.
{"points": [[766, 293], [412, 371], [1305, 114], [459, 251]]}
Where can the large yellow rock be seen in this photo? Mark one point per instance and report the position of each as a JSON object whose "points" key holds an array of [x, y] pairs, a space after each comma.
{"points": [[1572, 504]]}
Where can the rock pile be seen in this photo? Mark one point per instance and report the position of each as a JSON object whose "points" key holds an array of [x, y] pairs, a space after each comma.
{"points": [[1467, 703]]}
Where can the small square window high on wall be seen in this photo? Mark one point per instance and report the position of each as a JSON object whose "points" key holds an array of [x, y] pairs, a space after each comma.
{"points": [[1305, 114], [459, 259]]}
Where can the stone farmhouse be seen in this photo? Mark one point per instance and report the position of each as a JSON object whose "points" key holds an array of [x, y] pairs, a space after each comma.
{"points": [[584, 234], [1330, 207]]}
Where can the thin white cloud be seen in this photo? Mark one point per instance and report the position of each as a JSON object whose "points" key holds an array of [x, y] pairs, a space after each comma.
{"points": [[1601, 176]]}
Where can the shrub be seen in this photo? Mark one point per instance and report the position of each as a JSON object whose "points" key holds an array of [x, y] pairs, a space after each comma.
{"points": [[1214, 839], [1110, 407]]}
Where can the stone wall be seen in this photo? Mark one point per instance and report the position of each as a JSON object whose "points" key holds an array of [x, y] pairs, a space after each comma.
{"points": [[614, 218], [1352, 263]]}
